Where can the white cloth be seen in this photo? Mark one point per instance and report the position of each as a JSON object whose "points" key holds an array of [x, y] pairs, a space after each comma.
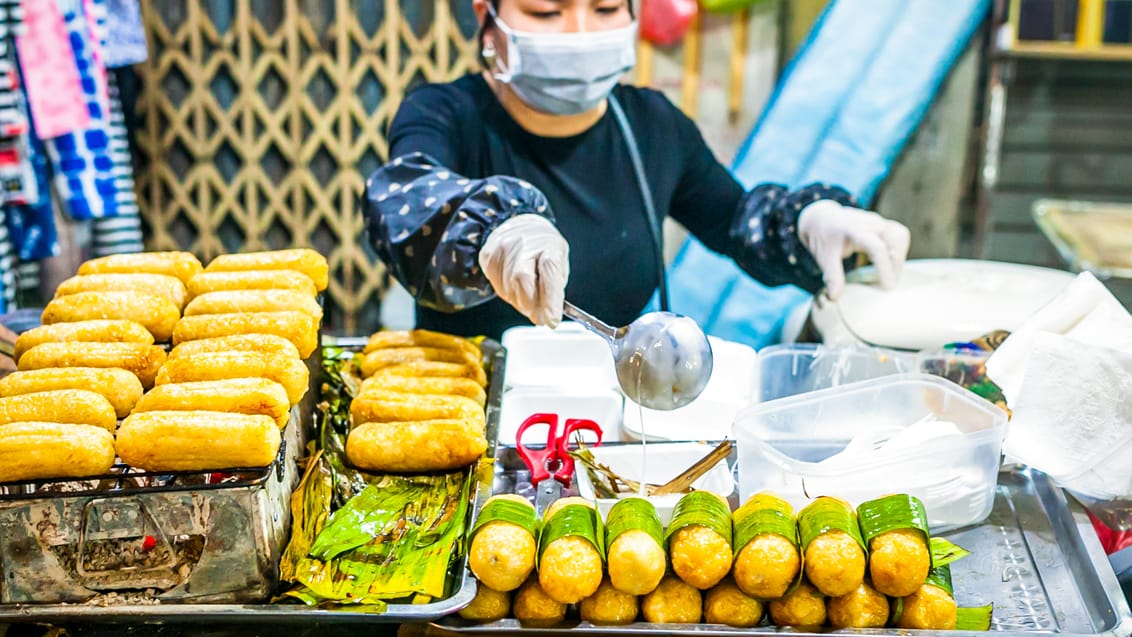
{"points": [[527, 262], [833, 232], [1067, 376]]}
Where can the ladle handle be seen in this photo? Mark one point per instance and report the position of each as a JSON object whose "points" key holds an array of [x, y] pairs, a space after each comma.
{"points": [[590, 321]]}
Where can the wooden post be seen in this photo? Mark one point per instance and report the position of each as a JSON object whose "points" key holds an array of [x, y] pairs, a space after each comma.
{"points": [[738, 64], [690, 84]]}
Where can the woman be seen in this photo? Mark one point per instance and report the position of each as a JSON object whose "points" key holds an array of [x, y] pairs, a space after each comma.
{"points": [[543, 178]]}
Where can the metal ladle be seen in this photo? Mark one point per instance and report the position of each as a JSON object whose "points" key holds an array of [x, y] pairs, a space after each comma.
{"points": [[663, 360]]}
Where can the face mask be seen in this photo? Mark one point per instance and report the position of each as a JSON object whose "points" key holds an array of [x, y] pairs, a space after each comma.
{"points": [[566, 73]]}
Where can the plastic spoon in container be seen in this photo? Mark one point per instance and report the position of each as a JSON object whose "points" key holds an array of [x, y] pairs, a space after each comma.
{"points": [[663, 360]]}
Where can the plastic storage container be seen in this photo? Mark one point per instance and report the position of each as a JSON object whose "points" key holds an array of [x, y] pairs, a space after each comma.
{"points": [[789, 370], [781, 445]]}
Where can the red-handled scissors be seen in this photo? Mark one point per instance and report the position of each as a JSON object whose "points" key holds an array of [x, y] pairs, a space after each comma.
{"points": [[552, 467]]}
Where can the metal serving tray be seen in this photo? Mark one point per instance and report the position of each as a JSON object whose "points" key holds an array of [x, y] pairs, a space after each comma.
{"points": [[1036, 558], [462, 584]]}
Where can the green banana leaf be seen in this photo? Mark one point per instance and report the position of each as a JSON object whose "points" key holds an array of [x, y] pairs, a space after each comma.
{"points": [[366, 540]]}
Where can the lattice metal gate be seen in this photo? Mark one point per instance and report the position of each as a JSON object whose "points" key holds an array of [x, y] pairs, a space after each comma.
{"points": [[261, 120]]}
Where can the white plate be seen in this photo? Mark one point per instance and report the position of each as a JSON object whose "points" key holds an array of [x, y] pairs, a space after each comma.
{"points": [[937, 301]]}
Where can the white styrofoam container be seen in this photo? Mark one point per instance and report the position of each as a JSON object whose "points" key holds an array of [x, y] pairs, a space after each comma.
{"points": [[781, 442], [568, 357], [603, 406], [666, 460]]}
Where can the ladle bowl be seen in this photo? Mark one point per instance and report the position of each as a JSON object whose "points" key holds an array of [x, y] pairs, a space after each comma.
{"points": [[663, 360]]}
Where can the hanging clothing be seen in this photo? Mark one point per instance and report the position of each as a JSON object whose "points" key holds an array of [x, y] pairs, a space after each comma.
{"points": [[50, 76], [125, 43], [83, 169], [32, 224], [10, 21], [7, 269], [122, 232], [17, 180]]}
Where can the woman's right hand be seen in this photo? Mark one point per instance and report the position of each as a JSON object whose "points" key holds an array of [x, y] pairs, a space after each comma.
{"points": [[527, 262]]}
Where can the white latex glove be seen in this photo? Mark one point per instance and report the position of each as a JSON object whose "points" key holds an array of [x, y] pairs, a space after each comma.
{"points": [[527, 262], [833, 232]]}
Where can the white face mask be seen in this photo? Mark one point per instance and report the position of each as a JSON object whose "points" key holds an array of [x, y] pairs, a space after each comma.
{"points": [[566, 73]]}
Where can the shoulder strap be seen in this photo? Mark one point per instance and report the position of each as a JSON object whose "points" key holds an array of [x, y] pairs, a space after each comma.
{"points": [[655, 225]]}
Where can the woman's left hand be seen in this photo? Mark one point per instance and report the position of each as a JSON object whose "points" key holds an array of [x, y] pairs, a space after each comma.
{"points": [[833, 232]]}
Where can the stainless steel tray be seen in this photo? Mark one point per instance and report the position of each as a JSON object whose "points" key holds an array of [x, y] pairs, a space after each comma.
{"points": [[463, 585], [176, 537], [1036, 558]]}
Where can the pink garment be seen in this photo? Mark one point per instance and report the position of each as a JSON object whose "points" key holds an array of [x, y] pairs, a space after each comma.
{"points": [[51, 77]]}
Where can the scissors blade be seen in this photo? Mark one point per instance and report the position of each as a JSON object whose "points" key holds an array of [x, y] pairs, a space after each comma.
{"points": [[549, 491]]}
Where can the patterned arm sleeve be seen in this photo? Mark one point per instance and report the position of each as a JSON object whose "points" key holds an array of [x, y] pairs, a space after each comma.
{"points": [[764, 234], [428, 223]]}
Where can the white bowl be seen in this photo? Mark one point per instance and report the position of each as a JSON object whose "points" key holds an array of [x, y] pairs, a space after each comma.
{"points": [[664, 462]]}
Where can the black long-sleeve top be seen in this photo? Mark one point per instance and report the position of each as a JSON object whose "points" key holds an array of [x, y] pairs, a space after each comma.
{"points": [[461, 166]]}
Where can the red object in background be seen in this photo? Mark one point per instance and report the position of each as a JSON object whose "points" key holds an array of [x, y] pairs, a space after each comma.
{"points": [[665, 22], [1112, 541]]}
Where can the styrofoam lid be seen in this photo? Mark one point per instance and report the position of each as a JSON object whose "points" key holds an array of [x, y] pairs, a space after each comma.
{"points": [[566, 357], [938, 301]]}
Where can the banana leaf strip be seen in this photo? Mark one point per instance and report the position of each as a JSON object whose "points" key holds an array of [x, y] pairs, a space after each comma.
{"points": [[893, 513], [577, 520], [974, 618], [502, 510], [701, 508], [764, 514], [944, 552], [310, 504], [895, 610], [827, 514], [633, 514], [940, 577]]}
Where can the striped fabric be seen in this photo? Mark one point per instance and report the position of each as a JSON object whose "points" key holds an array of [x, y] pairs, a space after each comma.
{"points": [[47, 66], [123, 232], [126, 43], [83, 168], [10, 18]]}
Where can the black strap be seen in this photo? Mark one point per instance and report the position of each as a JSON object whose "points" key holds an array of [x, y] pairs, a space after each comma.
{"points": [[655, 226]]}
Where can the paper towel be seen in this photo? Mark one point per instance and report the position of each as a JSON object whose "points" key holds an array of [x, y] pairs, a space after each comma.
{"points": [[1072, 415], [1085, 311]]}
